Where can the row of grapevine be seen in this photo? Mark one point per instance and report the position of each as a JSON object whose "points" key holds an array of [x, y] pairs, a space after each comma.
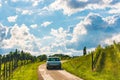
{"points": [[9, 62], [99, 55], [96, 55]]}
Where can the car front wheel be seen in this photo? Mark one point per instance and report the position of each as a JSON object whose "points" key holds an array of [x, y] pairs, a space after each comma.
{"points": [[47, 67]]}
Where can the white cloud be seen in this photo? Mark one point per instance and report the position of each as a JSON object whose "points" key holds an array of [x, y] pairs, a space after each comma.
{"points": [[12, 18], [36, 2], [21, 0], [115, 37], [55, 43], [107, 1], [92, 30], [45, 49], [21, 39], [0, 5], [80, 29], [115, 9], [24, 12], [65, 6], [70, 7], [14, 0], [59, 34], [110, 19], [82, 0], [62, 5], [60, 39], [45, 24], [34, 26]]}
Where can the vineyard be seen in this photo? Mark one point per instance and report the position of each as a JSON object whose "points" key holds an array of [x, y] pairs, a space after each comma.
{"points": [[13, 60], [101, 64]]}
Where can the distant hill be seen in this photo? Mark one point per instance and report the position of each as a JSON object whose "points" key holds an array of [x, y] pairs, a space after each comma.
{"points": [[106, 64]]}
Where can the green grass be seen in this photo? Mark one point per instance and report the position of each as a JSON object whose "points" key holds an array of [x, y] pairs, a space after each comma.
{"points": [[27, 72], [108, 65]]}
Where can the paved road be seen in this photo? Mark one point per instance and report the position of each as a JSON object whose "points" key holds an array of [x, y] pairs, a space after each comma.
{"points": [[53, 74]]}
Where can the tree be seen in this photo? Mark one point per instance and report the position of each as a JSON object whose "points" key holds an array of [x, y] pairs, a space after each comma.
{"points": [[61, 56], [84, 51], [42, 57], [12, 61]]}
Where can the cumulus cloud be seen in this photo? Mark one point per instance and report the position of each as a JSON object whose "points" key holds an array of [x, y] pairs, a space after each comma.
{"points": [[34, 26], [78, 30], [25, 12], [45, 24], [115, 37], [72, 6], [53, 44], [62, 5], [96, 30], [56, 42], [21, 39], [12, 18], [115, 9], [60, 33], [36, 2]]}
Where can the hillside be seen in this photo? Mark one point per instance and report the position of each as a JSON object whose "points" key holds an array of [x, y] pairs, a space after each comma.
{"points": [[105, 65]]}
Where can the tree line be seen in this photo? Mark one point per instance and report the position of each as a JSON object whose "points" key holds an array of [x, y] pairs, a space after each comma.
{"points": [[9, 62], [17, 58]]}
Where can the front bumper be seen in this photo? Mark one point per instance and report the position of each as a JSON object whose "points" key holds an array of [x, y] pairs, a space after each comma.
{"points": [[53, 65]]}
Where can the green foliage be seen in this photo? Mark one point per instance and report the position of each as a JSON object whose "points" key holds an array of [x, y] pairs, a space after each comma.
{"points": [[42, 57], [13, 60], [106, 64], [61, 56]]}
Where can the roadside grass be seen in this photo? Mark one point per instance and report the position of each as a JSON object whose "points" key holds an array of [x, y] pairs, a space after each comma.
{"points": [[82, 69], [27, 72], [108, 66]]}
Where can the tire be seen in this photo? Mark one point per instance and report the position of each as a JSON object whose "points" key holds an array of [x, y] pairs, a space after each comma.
{"points": [[59, 67], [47, 67]]}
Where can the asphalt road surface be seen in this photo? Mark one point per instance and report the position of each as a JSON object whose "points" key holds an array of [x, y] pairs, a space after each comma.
{"points": [[54, 74]]}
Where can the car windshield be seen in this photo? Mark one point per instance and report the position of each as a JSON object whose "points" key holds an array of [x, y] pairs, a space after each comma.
{"points": [[53, 59]]}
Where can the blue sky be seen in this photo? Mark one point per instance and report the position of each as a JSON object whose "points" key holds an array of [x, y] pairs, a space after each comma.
{"points": [[58, 26]]}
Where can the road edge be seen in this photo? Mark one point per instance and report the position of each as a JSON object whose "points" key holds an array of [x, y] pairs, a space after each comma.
{"points": [[39, 74]]}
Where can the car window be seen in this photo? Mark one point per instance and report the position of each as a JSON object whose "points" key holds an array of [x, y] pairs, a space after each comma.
{"points": [[53, 59]]}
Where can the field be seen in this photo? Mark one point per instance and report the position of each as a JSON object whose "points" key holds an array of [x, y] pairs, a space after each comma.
{"points": [[105, 66]]}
